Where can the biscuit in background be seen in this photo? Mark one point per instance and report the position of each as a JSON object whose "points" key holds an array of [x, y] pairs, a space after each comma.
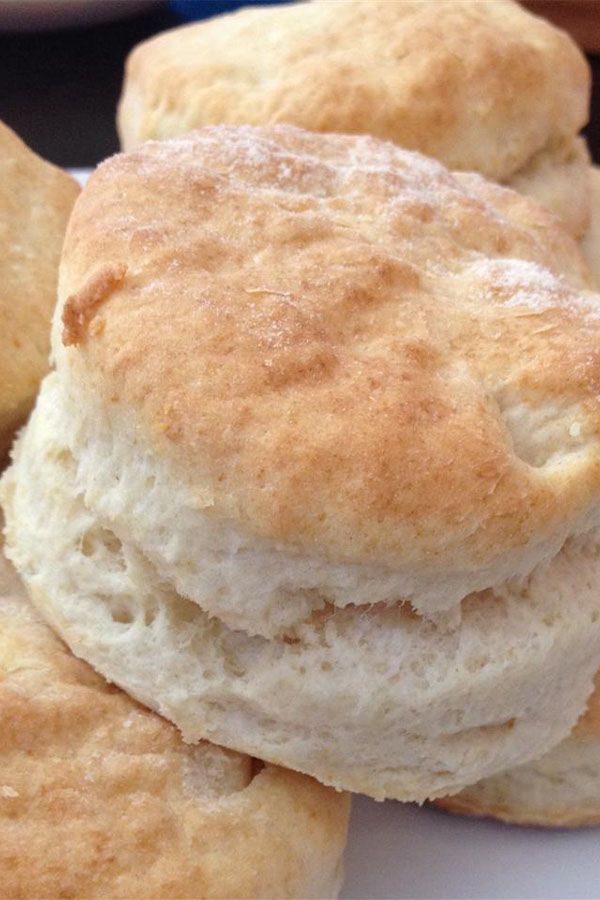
{"points": [[482, 86], [318, 473], [35, 202], [100, 797]]}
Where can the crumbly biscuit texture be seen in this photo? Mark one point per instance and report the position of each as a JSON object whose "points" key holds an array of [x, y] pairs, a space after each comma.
{"points": [[376, 700], [35, 202], [99, 797], [308, 369], [559, 790]]}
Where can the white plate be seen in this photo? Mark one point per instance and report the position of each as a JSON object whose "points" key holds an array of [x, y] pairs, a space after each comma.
{"points": [[397, 850], [401, 851]]}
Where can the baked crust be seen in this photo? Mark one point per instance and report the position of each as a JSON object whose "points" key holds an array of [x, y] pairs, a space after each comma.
{"points": [[35, 202]]}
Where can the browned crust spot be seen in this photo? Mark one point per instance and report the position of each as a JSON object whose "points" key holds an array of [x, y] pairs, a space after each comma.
{"points": [[81, 307]]}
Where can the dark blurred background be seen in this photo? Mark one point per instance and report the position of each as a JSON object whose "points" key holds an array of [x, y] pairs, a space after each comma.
{"points": [[59, 88]]}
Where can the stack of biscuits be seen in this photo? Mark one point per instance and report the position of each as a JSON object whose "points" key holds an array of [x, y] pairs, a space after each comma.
{"points": [[100, 797], [312, 488]]}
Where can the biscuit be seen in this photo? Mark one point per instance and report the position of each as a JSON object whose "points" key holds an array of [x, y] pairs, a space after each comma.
{"points": [[317, 474], [360, 399], [560, 790], [479, 86], [100, 797], [35, 202]]}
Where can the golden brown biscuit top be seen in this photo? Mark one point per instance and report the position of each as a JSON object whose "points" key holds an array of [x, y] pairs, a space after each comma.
{"points": [[100, 797], [35, 202], [342, 345], [479, 85]]}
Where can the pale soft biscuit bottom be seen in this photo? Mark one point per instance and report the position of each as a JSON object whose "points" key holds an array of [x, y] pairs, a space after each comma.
{"points": [[560, 790], [374, 699]]}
